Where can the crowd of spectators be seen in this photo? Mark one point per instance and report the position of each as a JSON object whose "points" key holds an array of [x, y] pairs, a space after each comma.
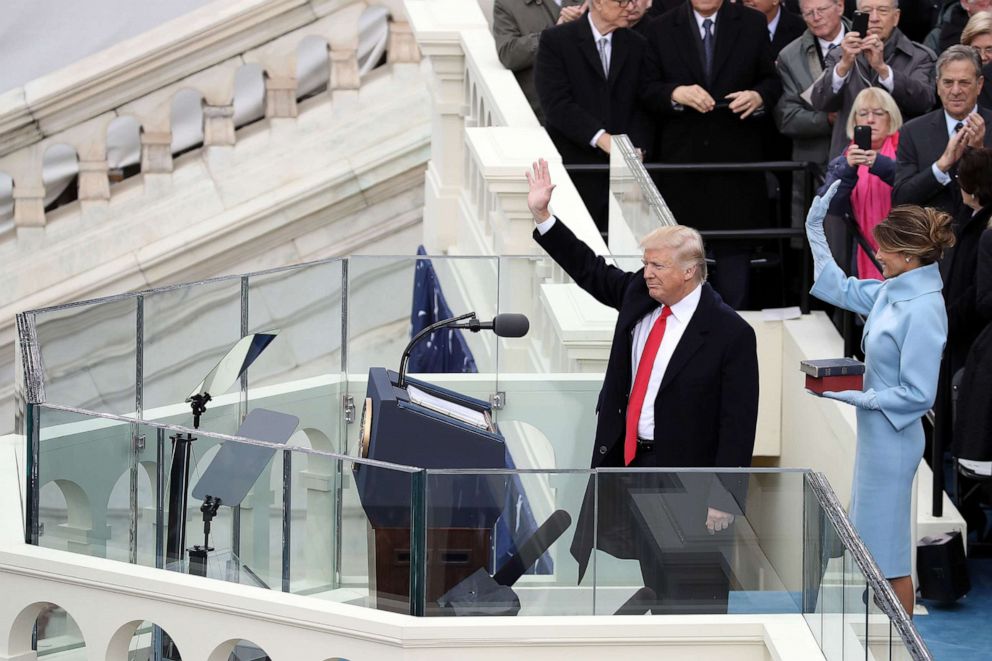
{"points": [[724, 81]]}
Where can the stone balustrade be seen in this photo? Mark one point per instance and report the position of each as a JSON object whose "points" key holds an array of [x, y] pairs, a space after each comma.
{"points": [[142, 77]]}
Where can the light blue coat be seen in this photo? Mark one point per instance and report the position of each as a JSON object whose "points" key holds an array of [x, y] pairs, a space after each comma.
{"points": [[904, 337]]}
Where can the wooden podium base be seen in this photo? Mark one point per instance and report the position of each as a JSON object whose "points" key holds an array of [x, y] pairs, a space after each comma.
{"points": [[452, 555]]}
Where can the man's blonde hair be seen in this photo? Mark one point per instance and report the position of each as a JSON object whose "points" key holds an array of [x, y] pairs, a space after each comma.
{"points": [[686, 243]]}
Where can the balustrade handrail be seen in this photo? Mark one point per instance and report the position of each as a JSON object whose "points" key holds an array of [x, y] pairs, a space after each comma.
{"points": [[749, 166], [98, 84]]}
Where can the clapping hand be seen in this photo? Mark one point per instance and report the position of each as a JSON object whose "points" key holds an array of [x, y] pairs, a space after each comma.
{"points": [[571, 13], [539, 196]]}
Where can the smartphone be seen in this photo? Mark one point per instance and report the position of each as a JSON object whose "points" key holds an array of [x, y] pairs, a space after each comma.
{"points": [[862, 137], [860, 24]]}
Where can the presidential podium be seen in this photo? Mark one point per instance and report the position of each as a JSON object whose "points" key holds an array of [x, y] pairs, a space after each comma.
{"points": [[426, 426]]}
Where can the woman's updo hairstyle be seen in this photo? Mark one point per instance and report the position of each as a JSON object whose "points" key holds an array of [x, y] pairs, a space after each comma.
{"points": [[922, 232]]}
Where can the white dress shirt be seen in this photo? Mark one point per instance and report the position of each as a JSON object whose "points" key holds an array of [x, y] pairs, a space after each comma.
{"points": [[825, 44], [596, 36], [674, 328], [773, 25], [699, 23]]}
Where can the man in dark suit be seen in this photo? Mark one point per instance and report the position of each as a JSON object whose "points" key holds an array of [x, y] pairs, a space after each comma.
{"points": [[930, 146], [709, 70], [588, 73], [681, 390], [517, 27]]}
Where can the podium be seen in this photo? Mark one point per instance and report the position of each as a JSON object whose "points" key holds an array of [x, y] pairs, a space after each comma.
{"points": [[426, 426]]}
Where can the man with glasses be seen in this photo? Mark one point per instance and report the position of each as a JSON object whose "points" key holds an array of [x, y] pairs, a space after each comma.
{"points": [[884, 57], [588, 74], [798, 65], [517, 26]]}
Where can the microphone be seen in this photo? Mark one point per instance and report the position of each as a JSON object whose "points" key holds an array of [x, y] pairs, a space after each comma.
{"points": [[507, 324], [533, 548]]}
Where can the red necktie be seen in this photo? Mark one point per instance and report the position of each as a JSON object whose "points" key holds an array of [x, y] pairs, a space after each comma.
{"points": [[640, 389]]}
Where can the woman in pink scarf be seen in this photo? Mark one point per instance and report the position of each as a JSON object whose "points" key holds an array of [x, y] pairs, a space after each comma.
{"points": [[867, 175]]}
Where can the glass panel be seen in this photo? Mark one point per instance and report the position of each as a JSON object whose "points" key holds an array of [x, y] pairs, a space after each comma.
{"points": [[558, 367], [80, 461], [187, 330], [855, 610], [498, 541], [301, 371], [89, 355], [701, 542], [636, 206], [880, 631]]}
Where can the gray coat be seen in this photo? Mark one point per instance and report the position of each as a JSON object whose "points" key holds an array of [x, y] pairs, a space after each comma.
{"points": [[517, 27], [914, 84], [798, 65]]}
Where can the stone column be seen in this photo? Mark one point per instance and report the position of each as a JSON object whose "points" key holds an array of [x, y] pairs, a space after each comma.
{"points": [[280, 97], [29, 202], [402, 46], [156, 152], [94, 183], [218, 125]]}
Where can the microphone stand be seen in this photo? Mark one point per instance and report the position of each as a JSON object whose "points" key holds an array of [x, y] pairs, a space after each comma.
{"points": [[473, 325]]}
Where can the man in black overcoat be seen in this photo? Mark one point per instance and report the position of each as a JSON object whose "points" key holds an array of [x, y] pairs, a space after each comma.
{"points": [[589, 91], [710, 69], [702, 412]]}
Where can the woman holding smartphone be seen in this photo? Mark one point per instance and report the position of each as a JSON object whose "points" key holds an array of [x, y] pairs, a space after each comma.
{"points": [[904, 336], [867, 168]]}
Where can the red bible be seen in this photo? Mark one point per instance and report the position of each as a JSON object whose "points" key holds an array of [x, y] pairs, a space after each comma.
{"points": [[833, 374]]}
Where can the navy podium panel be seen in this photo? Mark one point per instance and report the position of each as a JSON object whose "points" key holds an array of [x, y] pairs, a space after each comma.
{"points": [[429, 427]]}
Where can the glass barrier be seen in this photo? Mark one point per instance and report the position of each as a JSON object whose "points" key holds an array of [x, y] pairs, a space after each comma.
{"points": [[303, 525], [89, 354], [636, 206]]}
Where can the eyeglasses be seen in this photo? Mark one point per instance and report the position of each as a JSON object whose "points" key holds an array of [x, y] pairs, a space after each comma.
{"points": [[624, 3], [877, 112], [817, 12], [983, 52], [881, 11]]}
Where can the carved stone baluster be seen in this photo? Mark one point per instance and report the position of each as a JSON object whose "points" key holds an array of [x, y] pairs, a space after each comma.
{"points": [[94, 184], [344, 75], [402, 45], [156, 152], [218, 125], [280, 97]]}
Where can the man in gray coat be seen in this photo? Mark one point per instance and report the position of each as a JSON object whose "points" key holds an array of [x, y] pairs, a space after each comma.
{"points": [[798, 65], [885, 58], [517, 27]]}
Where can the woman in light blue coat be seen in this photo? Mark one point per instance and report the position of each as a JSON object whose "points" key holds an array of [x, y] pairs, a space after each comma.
{"points": [[904, 336]]}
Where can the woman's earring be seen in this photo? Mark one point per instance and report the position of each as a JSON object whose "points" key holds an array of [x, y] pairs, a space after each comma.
{"points": [[907, 260]]}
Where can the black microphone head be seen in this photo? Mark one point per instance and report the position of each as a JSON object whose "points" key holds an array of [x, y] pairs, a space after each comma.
{"points": [[511, 324]]}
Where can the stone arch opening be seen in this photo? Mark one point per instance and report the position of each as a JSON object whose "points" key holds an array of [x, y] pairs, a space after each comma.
{"points": [[45, 628], [6, 203], [235, 650], [60, 175], [65, 515], [313, 71], [249, 95], [142, 640], [187, 121], [123, 149], [373, 38]]}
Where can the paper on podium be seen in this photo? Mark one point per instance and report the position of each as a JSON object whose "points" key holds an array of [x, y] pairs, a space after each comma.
{"points": [[448, 408]]}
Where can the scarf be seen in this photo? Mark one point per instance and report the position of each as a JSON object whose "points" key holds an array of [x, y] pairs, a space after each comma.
{"points": [[871, 200]]}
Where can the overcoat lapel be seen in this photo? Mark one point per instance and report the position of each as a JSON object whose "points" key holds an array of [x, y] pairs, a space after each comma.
{"points": [[689, 45], [589, 48], [619, 55], [692, 339], [728, 27]]}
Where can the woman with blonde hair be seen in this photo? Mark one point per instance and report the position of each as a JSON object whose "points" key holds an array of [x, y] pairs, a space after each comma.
{"points": [[978, 34], [866, 176], [904, 336]]}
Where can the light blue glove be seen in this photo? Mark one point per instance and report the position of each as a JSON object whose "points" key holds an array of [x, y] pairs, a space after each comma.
{"points": [[814, 229], [862, 400]]}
